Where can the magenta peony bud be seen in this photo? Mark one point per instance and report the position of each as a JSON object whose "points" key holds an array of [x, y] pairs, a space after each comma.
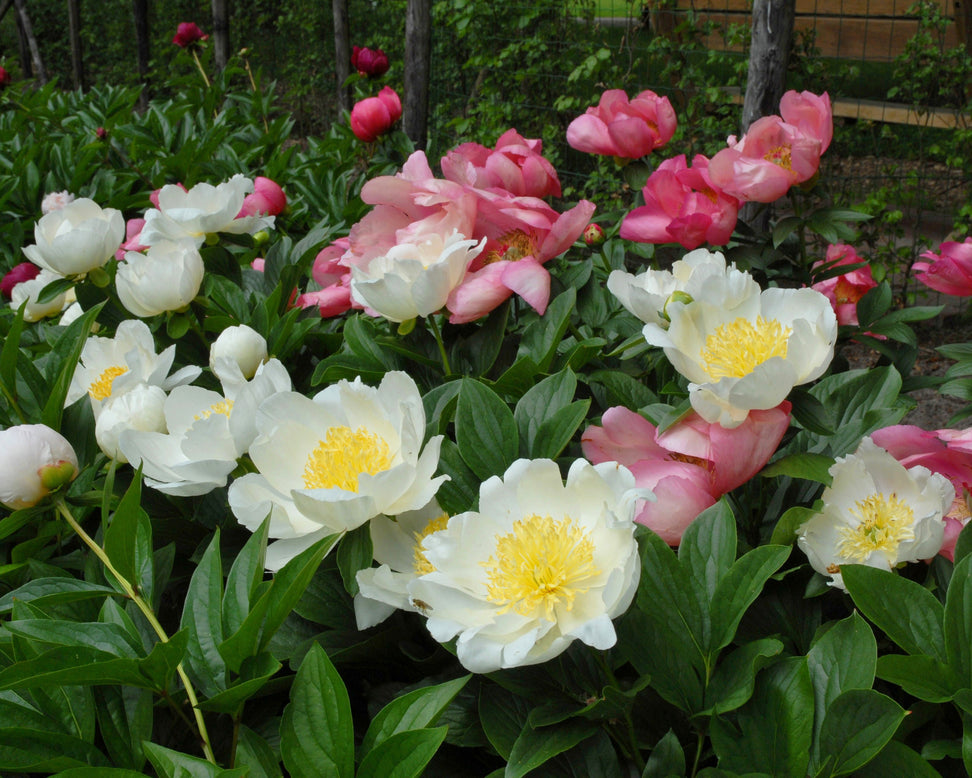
{"points": [[25, 271], [369, 62], [6, 78], [267, 198], [187, 34], [593, 234], [374, 116]]}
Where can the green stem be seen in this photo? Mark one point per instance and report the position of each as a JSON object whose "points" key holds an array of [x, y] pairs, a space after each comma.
{"points": [[149, 614], [13, 404], [632, 740], [202, 72], [698, 756], [434, 326]]}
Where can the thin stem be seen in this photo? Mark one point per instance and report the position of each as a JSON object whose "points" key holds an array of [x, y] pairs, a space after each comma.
{"points": [[434, 326], [632, 740], [202, 72], [698, 755], [149, 614]]}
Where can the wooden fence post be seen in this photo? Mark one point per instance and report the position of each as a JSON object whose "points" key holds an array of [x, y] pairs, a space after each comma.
{"points": [[142, 51], [221, 41], [342, 53], [74, 33], [28, 32], [772, 35], [418, 49]]}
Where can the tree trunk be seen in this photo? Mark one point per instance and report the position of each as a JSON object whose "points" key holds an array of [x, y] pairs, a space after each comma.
{"points": [[342, 53], [769, 49], [5, 7], [221, 41], [74, 33], [418, 47], [142, 50], [28, 33]]}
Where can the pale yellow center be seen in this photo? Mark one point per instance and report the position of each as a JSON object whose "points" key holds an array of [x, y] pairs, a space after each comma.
{"points": [[342, 456], [884, 523], [421, 564], [224, 407], [541, 564], [101, 389], [780, 155], [735, 349], [511, 247]]}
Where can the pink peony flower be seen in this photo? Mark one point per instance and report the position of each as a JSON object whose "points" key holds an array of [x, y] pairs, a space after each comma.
{"points": [[267, 199], [369, 62], [950, 271], [187, 34], [25, 271], [334, 278], [844, 290], [690, 465], [514, 165], [948, 452], [622, 128], [5, 78], [374, 116], [522, 233], [133, 238], [682, 205], [776, 154], [55, 201]]}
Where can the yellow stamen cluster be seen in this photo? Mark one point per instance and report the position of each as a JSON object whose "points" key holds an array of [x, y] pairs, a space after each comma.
{"points": [[422, 565], [542, 564], [223, 407], [512, 246], [884, 523], [101, 389], [342, 456], [780, 155], [735, 349]]}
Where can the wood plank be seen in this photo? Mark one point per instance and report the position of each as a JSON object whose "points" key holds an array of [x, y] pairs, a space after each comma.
{"points": [[870, 8]]}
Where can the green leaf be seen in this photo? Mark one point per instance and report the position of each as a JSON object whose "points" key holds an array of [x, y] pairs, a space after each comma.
{"points": [[786, 529], [558, 430], [784, 228], [124, 716], [963, 546], [667, 758], [56, 590], [813, 467], [896, 760], [536, 406], [255, 753], [734, 678], [708, 549], [535, 747], [316, 732], [810, 413], [99, 772], [844, 658], [907, 612], [9, 354], [354, 553], [857, 725], [110, 638], [244, 579], [920, 676], [958, 623], [174, 764], [202, 618], [254, 675], [415, 710], [128, 540], [403, 755], [541, 338], [461, 491], [69, 345], [738, 588], [874, 304], [485, 430], [72, 665], [783, 696]]}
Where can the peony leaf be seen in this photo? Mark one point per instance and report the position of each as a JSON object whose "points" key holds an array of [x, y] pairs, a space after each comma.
{"points": [[534, 747], [485, 430], [403, 755], [173, 764], [202, 617], [958, 623], [857, 725], [316, 732], [537, 405]]}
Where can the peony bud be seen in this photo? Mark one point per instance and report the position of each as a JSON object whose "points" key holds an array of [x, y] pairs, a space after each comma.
{"points": [[141, 408], [593, 235], [187, 34], [34, 461], [374, 116], [5, 78], [267, 198], [25, 271], [369, 62], [243, 346]]}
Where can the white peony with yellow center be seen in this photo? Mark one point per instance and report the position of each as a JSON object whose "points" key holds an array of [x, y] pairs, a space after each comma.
{"points": [[109, 367], [746, 352], [539, 565], [331, 464], [876, 513]]}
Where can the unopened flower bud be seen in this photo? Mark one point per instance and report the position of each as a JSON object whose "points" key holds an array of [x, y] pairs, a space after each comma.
{"points": [[243, 346], [677, 296], [593, 234], [34, 461]]}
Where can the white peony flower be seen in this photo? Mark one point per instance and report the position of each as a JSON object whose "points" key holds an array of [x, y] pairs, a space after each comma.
{"points": [[55, 201], [203, 210], [77, 238], [744, 353], [165, 278], [646, 295], [876, 513], [207, 433], [140, 408], [241, 346], [335, 462], [397, 544], [109, 367], [30, 290], [34, 460], [414, 279], [539, 565]]}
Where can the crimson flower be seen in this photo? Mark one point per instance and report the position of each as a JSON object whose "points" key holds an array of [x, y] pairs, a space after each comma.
{"points": [[369, 62], [374, 116], [187, 34]]}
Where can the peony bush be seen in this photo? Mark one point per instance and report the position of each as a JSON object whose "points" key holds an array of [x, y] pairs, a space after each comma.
{"points": [[337, 459]]}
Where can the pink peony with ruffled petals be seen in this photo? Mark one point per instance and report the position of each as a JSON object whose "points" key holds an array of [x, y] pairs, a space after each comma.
{"points": [[845, 290], [515, 165], [682, 205], [620, 127], [950, 271]]}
